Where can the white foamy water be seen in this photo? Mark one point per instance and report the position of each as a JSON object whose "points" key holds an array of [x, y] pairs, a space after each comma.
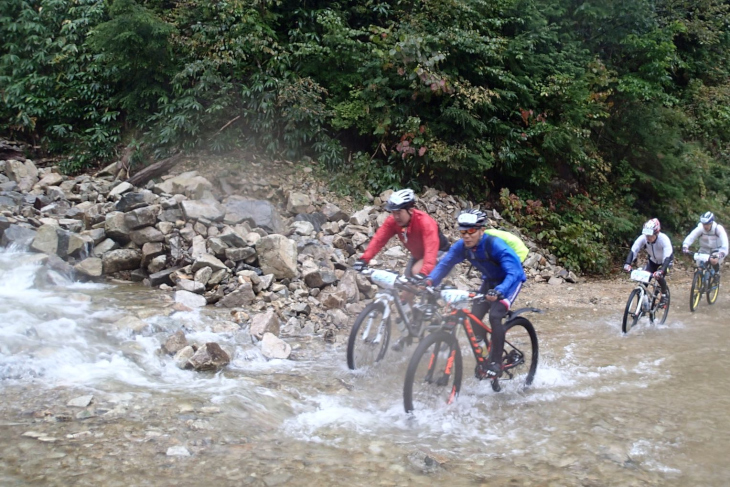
{"points": [[604, 409]]}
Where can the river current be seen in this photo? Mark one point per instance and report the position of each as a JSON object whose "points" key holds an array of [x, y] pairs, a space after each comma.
{"points": [[648, 408]]}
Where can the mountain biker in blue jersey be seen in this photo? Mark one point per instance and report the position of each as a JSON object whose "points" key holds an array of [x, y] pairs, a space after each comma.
{"points": [[502, 277]]}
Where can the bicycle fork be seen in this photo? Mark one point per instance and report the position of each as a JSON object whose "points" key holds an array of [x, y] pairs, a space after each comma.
{"points": [[381, 329]]}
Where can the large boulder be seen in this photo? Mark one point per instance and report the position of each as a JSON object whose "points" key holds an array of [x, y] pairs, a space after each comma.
{"points": [[191, 184], [278, 256], [121, 260], [258, 213], [17, 235], [203, 209]]}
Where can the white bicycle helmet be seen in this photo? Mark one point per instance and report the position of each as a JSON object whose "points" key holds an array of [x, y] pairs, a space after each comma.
{"points": [[399, 200], [471, 218], [707, 217], [652, 227]]}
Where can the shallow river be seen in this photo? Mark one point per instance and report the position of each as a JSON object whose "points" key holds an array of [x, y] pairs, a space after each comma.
{"points": [[649, 408]]}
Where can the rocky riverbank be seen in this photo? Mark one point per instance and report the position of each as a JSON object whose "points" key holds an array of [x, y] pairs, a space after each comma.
{"points": [[266, 240]]}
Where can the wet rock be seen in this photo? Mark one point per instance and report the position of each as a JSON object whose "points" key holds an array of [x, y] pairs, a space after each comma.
{"points": [[267, 322], [131, 323], [121, 260], [175, 343], [45, 240], [80, 402], [191, 286], [191, 300], [162, 277], [209, 357], [177, 451], [272, 347], [18, 235], [181, 358], [227, 327], [91, 266]]}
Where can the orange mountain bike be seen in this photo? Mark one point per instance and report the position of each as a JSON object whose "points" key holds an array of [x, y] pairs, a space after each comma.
{"points": [[435, 370]]}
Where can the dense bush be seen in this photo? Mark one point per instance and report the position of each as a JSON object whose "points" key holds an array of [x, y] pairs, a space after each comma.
{"points": [[598, 115]]}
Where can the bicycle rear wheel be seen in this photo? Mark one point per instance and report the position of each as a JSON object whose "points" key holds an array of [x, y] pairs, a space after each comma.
{"points": [[714, 289], [695, 293], [632, 313], [433, 378], [519, 359], [369, 337]]}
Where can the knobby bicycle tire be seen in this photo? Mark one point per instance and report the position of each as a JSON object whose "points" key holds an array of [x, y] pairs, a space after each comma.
{"points": [[663, 311], [521, 352], [633, 312], [369, 337], [714, 289], [695, 293], [433, 378]]}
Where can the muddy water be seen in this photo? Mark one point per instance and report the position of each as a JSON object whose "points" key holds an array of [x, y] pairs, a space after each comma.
{"points": [[649, 408]]}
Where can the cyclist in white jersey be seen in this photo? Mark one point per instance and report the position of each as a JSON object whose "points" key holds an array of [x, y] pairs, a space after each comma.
{"points": [[660, 251], [713, 239]]}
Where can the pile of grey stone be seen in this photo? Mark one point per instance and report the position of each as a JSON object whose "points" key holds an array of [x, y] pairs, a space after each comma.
{"points": [[280, 264]]}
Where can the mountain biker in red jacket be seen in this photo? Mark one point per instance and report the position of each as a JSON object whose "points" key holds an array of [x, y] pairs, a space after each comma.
{"points": [[417, 231]]}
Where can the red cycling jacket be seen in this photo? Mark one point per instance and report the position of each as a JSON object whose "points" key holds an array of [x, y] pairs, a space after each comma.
{"points": [[421, 237]]}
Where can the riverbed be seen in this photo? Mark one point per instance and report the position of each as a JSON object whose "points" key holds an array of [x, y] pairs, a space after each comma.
{"points": [[86, 401]]}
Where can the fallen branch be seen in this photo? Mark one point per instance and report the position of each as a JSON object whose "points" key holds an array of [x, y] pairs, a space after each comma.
{"points": [[225, 126], [155, 170]]}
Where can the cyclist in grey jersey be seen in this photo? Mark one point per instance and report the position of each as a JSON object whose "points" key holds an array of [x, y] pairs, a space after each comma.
{"points": [[712, 238], [660, 251]]}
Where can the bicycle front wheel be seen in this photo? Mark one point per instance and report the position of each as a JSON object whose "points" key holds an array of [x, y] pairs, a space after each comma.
{"points": [[660, 314], [632, 313], [695, 293], [519, 359], [433, 378], [714, 289], [369, 337]]}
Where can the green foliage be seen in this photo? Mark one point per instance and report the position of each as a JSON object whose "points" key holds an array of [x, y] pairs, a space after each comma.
{"points": [[597, 114], [135, 50], [51, 84]]}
